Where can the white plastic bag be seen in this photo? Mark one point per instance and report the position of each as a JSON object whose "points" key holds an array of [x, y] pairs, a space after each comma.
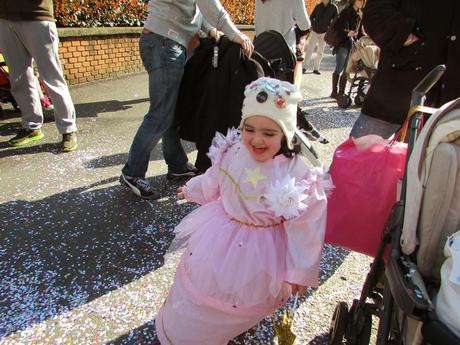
{"points": [[448, 299]]}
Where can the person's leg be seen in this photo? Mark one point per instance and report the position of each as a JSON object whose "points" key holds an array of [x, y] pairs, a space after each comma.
{"points": [[164, 61], [22, 79], [319, 51], [41, 40], [365, 125], [340, 60], [309, 47]]}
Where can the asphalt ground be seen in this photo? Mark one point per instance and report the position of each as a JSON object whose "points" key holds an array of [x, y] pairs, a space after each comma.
{"points": [[82, 260]]}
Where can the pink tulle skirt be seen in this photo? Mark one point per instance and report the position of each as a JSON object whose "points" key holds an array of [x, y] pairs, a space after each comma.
{"points": [[229, 278]]}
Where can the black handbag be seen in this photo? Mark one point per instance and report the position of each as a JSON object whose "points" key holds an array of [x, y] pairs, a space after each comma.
{"points": [[333, 37]]}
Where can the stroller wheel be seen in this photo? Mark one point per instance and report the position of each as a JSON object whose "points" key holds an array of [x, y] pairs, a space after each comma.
{"points": [[365, 336], [343, 101], [338, 324], [359, 99]]}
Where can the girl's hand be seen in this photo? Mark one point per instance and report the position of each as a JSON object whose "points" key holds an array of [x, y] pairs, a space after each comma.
{"points": [[302, 290], [410, 39], [180, 193], [245, 43], [352, 33]]}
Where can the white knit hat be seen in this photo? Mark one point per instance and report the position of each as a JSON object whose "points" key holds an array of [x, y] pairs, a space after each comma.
{"points": [[274, 99]]}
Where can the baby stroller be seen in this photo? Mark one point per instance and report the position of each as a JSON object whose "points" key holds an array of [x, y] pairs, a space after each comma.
{"points": [[278, 61], [404, 275], [5, 94], [5, 87], [361, 67]]}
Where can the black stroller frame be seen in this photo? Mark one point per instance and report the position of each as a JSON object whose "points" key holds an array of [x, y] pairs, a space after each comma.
{"points": [[393, 279], [358, 82]]}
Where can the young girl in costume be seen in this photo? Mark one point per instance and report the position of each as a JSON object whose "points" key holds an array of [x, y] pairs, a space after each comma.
{"points": [[258, 236]]}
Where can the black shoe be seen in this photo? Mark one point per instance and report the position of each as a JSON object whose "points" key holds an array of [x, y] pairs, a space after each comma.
{"points": [[304, 71], [139, 186], [315, 71], [190, 172]]}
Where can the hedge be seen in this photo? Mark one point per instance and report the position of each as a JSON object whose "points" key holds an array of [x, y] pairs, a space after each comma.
{"points": [[99, 13]]}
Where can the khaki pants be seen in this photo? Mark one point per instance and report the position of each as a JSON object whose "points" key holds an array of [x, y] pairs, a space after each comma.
{"points": [[22, 42], [313, 40]]}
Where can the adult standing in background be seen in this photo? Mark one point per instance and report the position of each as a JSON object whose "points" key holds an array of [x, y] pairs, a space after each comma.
{"points": [[414, 37], [28, 32], [168, 29], [323, 14], [281, 16], [348, 24]]}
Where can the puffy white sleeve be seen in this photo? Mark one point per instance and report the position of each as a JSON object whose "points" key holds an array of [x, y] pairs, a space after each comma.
{"points": [[305, 234], [203, 188]]}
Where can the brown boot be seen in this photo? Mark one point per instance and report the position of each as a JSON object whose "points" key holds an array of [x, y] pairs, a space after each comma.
{"points": [[342, 83], [335, 80]]}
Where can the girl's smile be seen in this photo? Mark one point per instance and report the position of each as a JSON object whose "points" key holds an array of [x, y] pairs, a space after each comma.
{"points": [[262, 137]]}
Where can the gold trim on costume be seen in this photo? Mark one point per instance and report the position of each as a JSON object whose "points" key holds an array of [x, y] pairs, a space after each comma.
{"points": [[256, 225], [238, 188]]}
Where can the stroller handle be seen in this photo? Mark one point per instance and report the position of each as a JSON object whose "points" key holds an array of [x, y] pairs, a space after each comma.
{"points": [[422, 88]]}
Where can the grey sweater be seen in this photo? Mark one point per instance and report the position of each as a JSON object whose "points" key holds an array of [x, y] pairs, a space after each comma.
{"points": [[281, 16], [179, 20]]}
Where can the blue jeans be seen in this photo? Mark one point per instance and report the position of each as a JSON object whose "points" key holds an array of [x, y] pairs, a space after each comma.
{"points": [[164, 60], [341, 57]]}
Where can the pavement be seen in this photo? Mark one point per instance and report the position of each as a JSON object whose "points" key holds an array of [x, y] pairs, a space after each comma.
{"points": [[82, 260]]}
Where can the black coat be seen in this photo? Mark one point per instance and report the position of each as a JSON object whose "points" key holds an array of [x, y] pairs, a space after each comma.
{"points": [[322, 16], [210, 99], [348, 20], [389, 23]]}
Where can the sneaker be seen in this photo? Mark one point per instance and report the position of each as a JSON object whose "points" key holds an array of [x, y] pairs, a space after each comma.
{"points": [[190, 172], [69, 142], [139, 186], [26, 136], [315, 71]]}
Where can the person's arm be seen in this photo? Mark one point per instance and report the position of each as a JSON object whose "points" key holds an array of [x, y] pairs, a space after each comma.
{"points": [[314, 14], [305, 239], [386, 25], [201, 189], [216, 15], [301, 16]]}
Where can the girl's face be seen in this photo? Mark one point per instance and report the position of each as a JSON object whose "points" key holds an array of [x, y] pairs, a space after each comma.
{"points": [[262, 137]]}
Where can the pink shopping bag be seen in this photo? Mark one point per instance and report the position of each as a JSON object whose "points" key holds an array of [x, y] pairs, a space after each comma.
{"points": [[365, 181]]}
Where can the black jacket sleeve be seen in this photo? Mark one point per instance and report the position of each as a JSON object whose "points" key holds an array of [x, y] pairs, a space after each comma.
{"points": [[386, 25]]}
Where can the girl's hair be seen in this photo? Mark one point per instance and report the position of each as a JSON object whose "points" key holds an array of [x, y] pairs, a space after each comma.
{"points": [[286, 151]]}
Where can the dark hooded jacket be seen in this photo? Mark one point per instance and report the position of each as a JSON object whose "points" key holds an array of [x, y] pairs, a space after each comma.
{"points": [[210, 99], [27, 10], [389, 23]]}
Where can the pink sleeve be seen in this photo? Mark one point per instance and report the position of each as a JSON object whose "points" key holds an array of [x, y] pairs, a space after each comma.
{"points": [[203, 188], [305, 240]]}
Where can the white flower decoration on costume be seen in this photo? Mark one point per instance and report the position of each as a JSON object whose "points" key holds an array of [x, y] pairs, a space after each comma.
{"points": [[285, 197], [221, 143]]}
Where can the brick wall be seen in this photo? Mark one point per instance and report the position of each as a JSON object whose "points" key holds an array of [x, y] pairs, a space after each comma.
{"points": [[89, 58], [94, 54]]}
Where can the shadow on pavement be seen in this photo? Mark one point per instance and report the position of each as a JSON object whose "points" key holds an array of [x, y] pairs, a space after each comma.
{"points": [[92, 109], [67, 249]]}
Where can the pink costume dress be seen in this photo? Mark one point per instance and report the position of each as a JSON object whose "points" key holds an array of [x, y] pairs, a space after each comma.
{"points": [[260, 225]]}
